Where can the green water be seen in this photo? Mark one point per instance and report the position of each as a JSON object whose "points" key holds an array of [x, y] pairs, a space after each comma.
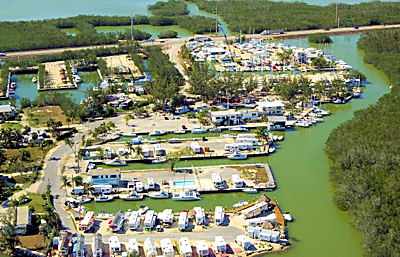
{"points": [[153, 30], [25, 87], [301, 171]]}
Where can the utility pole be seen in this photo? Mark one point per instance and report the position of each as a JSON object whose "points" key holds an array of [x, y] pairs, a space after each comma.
{"points": [[240, 36], [216, 21], [132, 37]]}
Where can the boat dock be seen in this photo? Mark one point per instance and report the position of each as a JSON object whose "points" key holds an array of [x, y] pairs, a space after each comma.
{"points": [[57, 78]]}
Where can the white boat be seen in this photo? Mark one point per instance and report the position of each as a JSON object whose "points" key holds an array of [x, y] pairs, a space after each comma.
{"points": [[185, 196], [104, 198], [158, 160], [82, 200], [275, 138], [280, 138], [159, 195], [302, 124], [199, 131], [250, 190], [77, 79], [91, 166], [131, 196], [143, 209], [174, 141], [13, 85], [239, 129], [237, 156], [240, 204], [157, 133], [337, 101], [34, 80], [215, 130], [180, 132], [271, 149], [116, 162]]}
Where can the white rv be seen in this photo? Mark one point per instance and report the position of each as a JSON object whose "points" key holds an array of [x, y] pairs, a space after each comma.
{"points": [[77, 190], [217, 180], [185, 247], [200, 215], [252, 141], [149, 247], [237, 181], [150, 220], [220, 245], [118, 222], [150, 184], [134, 220], [167, 218], [102, 189], [88, 221], [114, 245], [167, 248], [97, 246], [132, 246], [183, 220], [202, 249], [244, 242], [219, 215]]}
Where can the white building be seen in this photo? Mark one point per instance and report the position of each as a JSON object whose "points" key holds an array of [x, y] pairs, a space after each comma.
{"points": [[167, 248], [150, 184], [244, 242], [268, 108], [238, 147], [217, 180], [132, 246], [97, 246], [183, 220], [220, 244], [185, 247], [200, 215], [252, 141], [202, 249], [219, 215], [104, 176], [149, 247], [195, 147], [102, 189], [134, 220], [232, 117], [269, 235], [237, 181], [114, 245], [150, 220], [166, 217]]}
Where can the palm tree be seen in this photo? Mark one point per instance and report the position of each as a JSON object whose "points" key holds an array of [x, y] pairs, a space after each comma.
{"points": [[127, 118], [139, 152], [65, 183], [129, 145], [172, 162]]}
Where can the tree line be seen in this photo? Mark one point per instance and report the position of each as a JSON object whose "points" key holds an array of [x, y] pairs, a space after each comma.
{"points": [[365, 155], [251, 16]]}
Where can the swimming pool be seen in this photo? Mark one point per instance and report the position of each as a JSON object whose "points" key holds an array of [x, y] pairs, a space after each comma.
{"points": [[184, 183]]}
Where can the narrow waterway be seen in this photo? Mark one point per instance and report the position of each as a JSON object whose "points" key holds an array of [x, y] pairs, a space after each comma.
{"points": [[301, 170]]}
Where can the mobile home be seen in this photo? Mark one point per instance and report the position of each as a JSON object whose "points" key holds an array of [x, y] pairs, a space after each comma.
{"points": [[114, 245], [195, 147], [97, 246], [167, 248], [220, 245], [202, 249], [269, 235], [134, 220], [149, 247], [77, 190], [150, 220], [132, 246], [185, 247], [252, 141], [79, 249], [118, 222], [200, 216], [88, 221], [102, 189], [167, 218], [150, 184], [219, 215], [146, 152], [183, 220], [255, 210], [237, 181]]}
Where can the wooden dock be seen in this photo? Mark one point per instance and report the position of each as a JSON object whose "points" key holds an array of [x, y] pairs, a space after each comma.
{"points": [[279, 216]]}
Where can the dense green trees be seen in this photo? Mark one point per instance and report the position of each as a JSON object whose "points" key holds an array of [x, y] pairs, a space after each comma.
{"points": [[365, 150], [170, 8], [168, 34], [259, 15], [319, 38]]}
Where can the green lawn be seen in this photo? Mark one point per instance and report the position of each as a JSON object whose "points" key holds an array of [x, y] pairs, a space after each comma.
{"points": [[37, 202], [12, 125]]}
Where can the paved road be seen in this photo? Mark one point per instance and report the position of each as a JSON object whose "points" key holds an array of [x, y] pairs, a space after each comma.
{"points": [[179, 41]]}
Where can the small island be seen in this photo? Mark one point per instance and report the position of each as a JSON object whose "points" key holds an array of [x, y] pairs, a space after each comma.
{"points": [[320, 38]]}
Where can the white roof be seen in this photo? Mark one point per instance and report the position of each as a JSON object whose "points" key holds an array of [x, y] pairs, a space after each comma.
{"points": [[114, 241], [132, 245], [255, 207], [5, 108], [182, 217], [149, 218], [219, 240], [89, 215], [219, 212], [270, 104], [166, 245], [134, 217], [23, 215], [201, 245], [184, 245]]}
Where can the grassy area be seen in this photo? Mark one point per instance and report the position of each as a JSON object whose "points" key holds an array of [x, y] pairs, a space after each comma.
{"points": [[38, 116], [252, 172], [33, 242], [14, 162], [35, 151], [12, 125], [37, 202]]}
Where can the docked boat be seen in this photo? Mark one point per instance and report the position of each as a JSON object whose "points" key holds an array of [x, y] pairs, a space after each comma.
{"points": [[13, 85], [185, 196], [34, 80], [240, 204], [131, 196], [116, 162], [82, 200], [280, 138], [199, 131], [143, 209], [104, 198], [157, 133], [158, 160], [271, 149], [302, 124], [174, 141], [77, 79], [215, 130], [159, 195], [137, 141], [91, 166], [180, 132], [239, 129], [250, 191], [11, 91], [237, 156]]}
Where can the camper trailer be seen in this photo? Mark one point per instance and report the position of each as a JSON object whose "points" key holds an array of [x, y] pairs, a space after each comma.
{"points": [[134, 220], [219, 215], [244, 242], [220, 245], [150, 220], [102, 189], [202, 249], [200, 215], [132, 246], [185, 247], [183, 220], [167, 218], [237, 181], [167, 248], [88, 221], [118, 222], [150, 184], [149, 247], [97, 246], [114, 245], [217, 180]]}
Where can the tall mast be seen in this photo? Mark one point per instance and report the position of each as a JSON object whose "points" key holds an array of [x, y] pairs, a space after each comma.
{"points": [[132, 37]]}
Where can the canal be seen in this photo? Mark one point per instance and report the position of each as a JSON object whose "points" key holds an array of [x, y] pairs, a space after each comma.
{"points": [[301, 169]]}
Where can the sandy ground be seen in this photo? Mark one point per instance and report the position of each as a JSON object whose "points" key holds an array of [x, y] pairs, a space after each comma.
{"points": [[54, 75], [123, 60]]}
